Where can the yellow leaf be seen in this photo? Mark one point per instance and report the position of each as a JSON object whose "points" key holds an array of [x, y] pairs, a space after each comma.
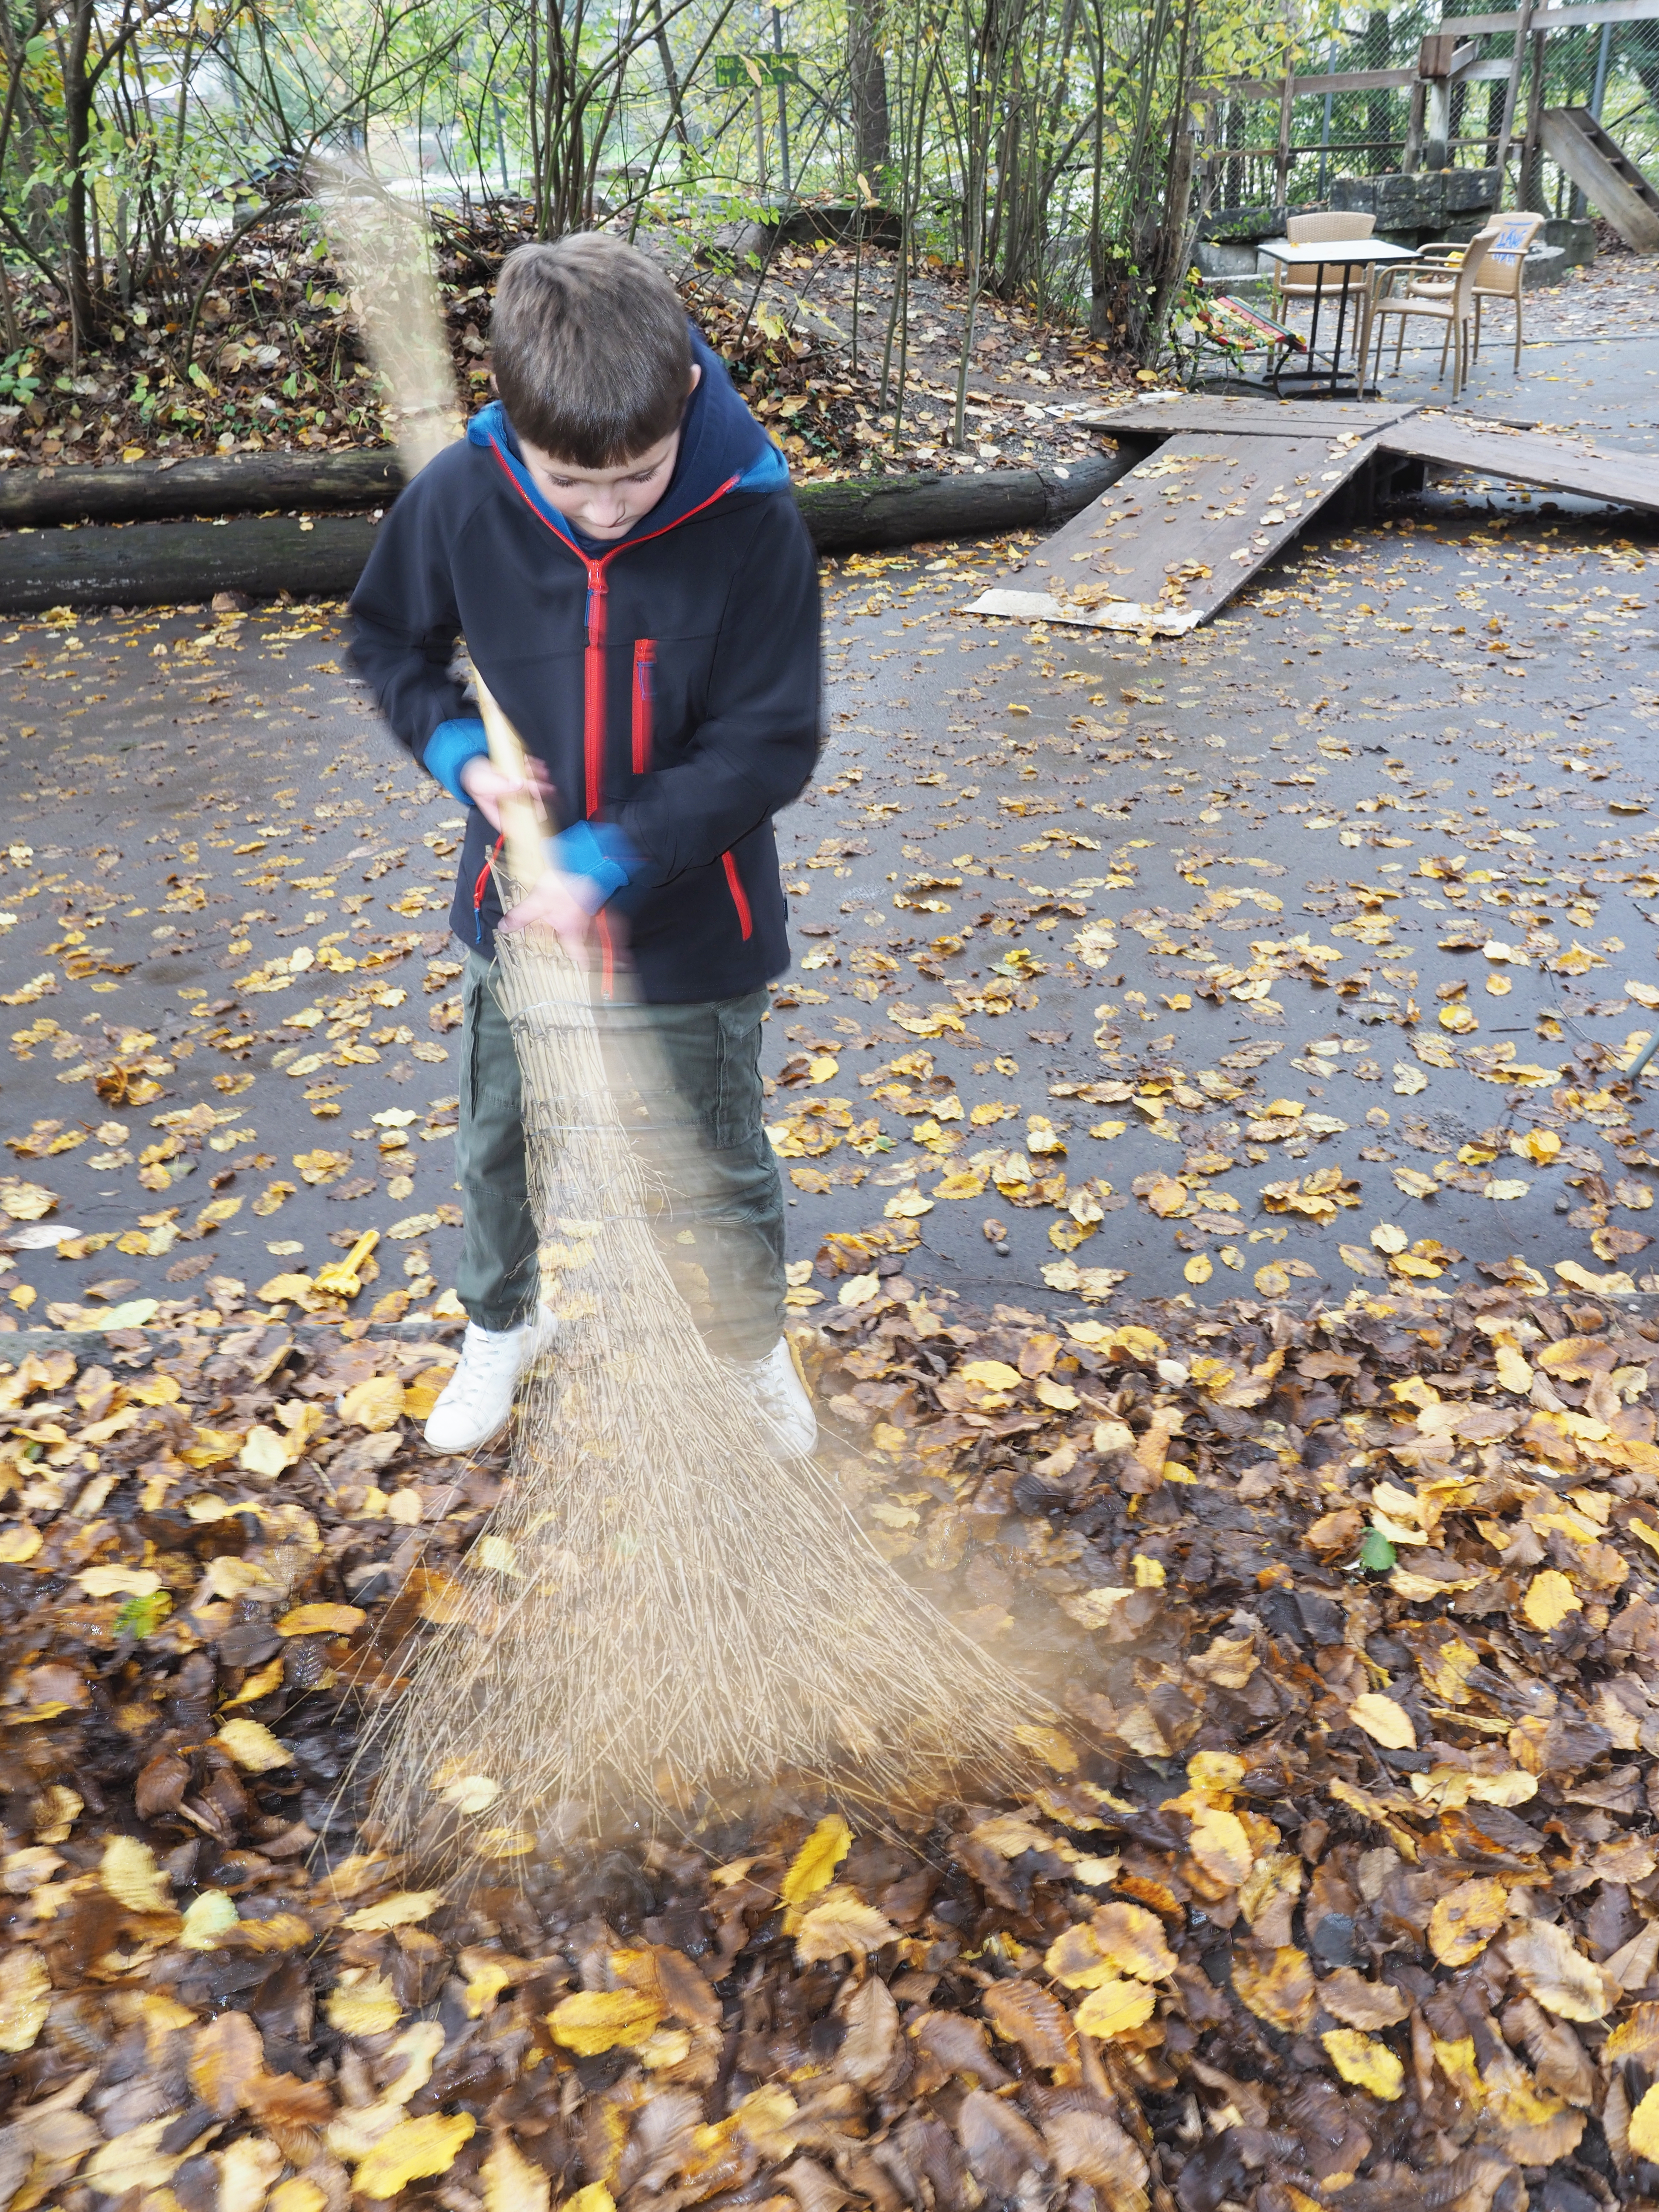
{"points": [[321, 1621], [485, 1986], [1465, 1920], [510, 2182], [1550, 1969], [1365, 2062], [211, 1915], [593, 2020], [1384, 1721], [412, 2149], [596, 2197], [230, 1577], [1114, 2008], [253, 1747], [1054, 1748], [469, 1793], [1644, 2129], [130, 1876], [267, 1451], [119, 1582], [1220, 1844], [19, 1542], [1513, 1372], [402, 1911], [364, 2007], [840, 1927], [989, 1374], [1550, 1598], [374, 1405], [1272, 1280], [1131, 1941], [296, 2194], [25, 1998], [1282, 1991], [247, 2168], [815, 1862], [134, 2160]]}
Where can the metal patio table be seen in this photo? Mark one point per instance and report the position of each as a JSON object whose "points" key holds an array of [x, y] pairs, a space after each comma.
{"points": [[1347, 254]]}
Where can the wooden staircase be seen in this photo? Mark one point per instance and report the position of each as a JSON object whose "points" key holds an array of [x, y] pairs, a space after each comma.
{"points": [[1604, 174]]}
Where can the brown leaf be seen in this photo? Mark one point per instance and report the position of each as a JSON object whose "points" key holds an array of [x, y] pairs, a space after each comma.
{"points": [[1090, 2147], [867, 2049], [1022, 2012], [1001, 2148], [1279, 1990], [228, 2055], [960, 2045], [1349, 1997], [1550, 1967]]}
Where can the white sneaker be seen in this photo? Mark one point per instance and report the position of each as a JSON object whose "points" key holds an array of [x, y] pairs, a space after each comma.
{"points": [[780, 1396], [478, 1398]]}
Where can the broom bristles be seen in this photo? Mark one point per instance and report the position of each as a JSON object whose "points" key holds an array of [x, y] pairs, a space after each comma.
{"points": [[664, 1615]]}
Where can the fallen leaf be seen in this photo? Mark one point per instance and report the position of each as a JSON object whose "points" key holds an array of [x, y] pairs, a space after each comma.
{"points": [[411, 2150], [593, 2020], [1365, 2062], [1465, 1920], [1384, 1721]]}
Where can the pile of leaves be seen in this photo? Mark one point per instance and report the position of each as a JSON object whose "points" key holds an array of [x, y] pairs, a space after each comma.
{"points": [[818, 407], [261, 351], [1339, 1889]]}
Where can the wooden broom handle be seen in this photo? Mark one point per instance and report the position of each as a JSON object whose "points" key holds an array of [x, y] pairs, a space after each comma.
{"points": [[525, 824]]}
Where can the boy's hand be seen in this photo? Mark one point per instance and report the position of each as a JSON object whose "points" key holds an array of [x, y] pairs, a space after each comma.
{"points": [[560, 903], [487, 787]]}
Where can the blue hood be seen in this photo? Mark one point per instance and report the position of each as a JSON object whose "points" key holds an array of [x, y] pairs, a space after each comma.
{"points": [[721, 446]]}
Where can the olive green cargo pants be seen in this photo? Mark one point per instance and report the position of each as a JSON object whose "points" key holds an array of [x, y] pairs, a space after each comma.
{"points": [[709, 1059]]}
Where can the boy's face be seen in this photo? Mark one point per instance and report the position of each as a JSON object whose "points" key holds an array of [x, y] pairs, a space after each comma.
{"points": [[606, 504]]}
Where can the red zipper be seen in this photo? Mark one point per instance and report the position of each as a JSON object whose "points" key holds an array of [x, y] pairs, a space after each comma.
{"points": [[593, 689], [740, 896], [593, 717], [644, 663], [593, 656]]}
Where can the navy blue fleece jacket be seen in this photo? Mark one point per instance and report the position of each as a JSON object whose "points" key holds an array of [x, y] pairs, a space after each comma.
{"points": [[669, 680]]}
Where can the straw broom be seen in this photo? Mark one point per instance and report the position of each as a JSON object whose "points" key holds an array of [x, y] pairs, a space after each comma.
{"points": [[664, 1620]]}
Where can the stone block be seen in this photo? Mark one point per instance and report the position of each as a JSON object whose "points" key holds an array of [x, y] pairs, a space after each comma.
{"points": [[1225, 259], [1470, 192]]}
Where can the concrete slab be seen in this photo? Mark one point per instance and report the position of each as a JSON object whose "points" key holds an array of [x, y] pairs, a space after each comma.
{"points": [[1401, 743]]}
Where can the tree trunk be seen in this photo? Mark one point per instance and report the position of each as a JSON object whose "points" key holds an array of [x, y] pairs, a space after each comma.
{"points": [[160, 562], [867, 70], [251, 485], [77, 133]]}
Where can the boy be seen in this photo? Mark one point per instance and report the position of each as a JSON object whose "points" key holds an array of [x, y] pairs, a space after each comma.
{"points": [[617, 540]]}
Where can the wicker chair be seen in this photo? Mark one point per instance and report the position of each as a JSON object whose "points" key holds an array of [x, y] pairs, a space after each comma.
{"points": [[1501, 276], [1301, 280], [1452, 306]]}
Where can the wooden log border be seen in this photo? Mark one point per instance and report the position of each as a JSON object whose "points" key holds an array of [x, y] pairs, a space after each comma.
{"points": [[153, 563]]}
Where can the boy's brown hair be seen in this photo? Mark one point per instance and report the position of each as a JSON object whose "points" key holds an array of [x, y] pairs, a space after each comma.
{"points": [[592, 352]]}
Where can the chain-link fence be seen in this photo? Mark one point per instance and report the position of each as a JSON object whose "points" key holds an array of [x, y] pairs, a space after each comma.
{"points": [[1610, 69]]}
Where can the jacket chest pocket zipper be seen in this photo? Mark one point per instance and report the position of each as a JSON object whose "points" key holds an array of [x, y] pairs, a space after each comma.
{"points": [[645, 684], [739, 897]]}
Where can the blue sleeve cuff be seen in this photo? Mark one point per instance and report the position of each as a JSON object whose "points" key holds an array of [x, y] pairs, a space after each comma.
{"points": [[449, 748], [597, 853]]}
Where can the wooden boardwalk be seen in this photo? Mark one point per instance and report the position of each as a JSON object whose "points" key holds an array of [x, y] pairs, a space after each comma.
{"points": [[1232, 482]]}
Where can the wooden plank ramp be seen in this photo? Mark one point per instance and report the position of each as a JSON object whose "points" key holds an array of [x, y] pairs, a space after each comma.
{"points": [[1527, 457], [1233, 481], [1163, 416], [1172, 541]]}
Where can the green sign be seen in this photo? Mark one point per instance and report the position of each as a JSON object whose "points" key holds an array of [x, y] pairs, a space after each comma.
{"points": [[739, 72]]}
